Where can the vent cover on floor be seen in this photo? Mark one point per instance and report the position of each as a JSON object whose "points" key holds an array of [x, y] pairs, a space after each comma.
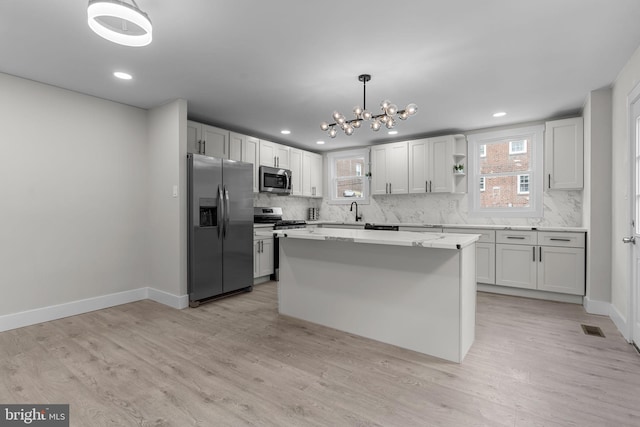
{"points": [[592, 330]]}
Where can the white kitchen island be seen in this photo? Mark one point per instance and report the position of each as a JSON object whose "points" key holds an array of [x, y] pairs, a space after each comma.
{"points": [[413, 290]]}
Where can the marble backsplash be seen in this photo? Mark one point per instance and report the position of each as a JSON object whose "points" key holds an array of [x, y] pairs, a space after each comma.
{"points": [[561, 209]]}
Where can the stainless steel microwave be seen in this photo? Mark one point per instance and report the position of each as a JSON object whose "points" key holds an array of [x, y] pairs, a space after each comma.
{"points": [[275, 180]]}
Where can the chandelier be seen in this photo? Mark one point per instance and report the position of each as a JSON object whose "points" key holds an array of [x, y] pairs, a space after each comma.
{"points": [[387, 118], [120, 22]]}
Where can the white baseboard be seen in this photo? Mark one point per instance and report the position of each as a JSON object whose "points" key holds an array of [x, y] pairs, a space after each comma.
{"points": [[620, 321], [73, 308], [530, 293], [601, 308], [166, 298]]}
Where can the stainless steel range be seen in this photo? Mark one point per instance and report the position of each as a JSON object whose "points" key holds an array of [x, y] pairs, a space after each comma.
{"points": [[273, 215]]}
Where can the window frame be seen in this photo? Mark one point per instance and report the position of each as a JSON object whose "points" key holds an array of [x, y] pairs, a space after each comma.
{"points": [[536, 173], [332, 157], [483, 150]]}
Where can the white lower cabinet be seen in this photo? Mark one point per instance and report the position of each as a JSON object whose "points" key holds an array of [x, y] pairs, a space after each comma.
{"points": [[485, 253], [263, 256], [486, 263], [546, 261], [516, 266]]}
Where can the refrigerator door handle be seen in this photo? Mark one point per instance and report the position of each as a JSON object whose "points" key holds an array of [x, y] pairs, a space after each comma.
{"points": [[220, 209], [226, 213]]}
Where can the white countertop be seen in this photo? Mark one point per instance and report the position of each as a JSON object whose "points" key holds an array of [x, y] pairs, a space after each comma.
{"points": [[481, 226], [379, 237]]}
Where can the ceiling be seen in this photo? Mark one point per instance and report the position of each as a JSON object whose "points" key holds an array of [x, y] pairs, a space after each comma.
{"points": [[258, 67]]}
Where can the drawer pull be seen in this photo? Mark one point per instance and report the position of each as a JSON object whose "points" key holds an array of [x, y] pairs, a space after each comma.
{"points": [[516, 237], [559, 240]]}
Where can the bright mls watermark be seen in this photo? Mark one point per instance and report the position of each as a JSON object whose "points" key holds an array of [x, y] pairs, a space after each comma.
{"points": [[34, 415]]}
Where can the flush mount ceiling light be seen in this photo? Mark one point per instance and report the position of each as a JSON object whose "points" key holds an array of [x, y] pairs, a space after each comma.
{"points": [[387, 118], [499, 114], [119, 22]]}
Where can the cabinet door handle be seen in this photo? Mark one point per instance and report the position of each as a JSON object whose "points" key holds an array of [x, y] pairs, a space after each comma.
{"points": [[515, 237], [540, 257], [430, 186], [390, 191], [204, 147], [274, 161], [199, 146], [426, 186], [560, 240], [549, 180], [534, 254]]}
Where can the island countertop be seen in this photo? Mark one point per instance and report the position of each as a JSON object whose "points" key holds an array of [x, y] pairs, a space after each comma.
{"points": [[379, 237]]}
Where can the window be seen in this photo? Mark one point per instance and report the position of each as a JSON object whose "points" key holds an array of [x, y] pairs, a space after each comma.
{"points": [[517, 147], [523, 184], [509, 164], [347, 182]]}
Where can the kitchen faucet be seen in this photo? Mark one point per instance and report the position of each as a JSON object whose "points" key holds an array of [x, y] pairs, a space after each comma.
{"points": [[358, 217]]}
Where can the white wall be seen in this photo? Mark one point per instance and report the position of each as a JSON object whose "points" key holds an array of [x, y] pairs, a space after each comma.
{"points": [[167, 214], [73, 209], [597, 198], [628, 78]]}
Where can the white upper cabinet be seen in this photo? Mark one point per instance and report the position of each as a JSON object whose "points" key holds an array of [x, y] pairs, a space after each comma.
{"points": [[564, 154], [207, 140], [274, 155], [295, 164], [311, 174], [389, 168], [236, 141], [246, 149], [431, 165]]}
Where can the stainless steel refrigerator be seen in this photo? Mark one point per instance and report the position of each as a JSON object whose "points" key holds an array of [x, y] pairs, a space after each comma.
{"points": [[220, 239]]}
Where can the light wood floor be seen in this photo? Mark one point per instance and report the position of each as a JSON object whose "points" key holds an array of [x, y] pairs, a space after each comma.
{"points": [[237, 362]]}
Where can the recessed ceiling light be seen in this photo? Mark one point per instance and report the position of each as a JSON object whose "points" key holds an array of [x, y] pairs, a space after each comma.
{"points": [[123, 75], [320, 142], [500, 114], [393, 132], [285, 132]]}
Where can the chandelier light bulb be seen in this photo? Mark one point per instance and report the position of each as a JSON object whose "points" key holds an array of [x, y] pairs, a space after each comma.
{"points": [[333, 132], [384, 119], [356, 124], [392, 109], [375, 126], [357, 111], [390, 123], [324, 126], [411, 109], [403, 115], [366, 115], [348, 130], [336, 115], [340, 119], [385, 104]]}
